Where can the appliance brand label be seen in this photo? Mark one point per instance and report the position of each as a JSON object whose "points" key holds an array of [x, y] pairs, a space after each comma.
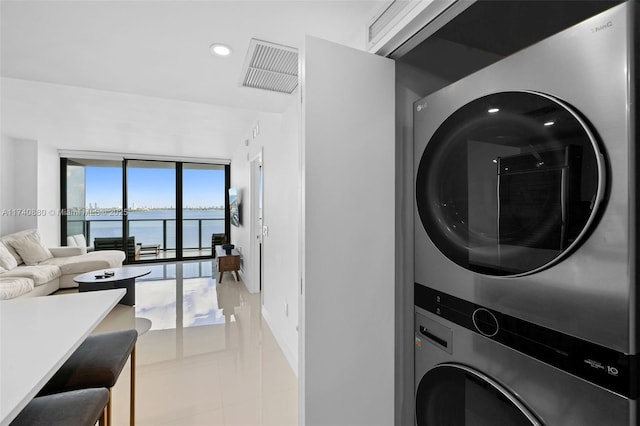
{"points": [[602, 27], [418, 342], [594, 364], [612, 371], [421, 106]]}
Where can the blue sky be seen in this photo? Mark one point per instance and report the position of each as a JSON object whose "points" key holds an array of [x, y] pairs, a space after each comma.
{"points": [[154, 187]]}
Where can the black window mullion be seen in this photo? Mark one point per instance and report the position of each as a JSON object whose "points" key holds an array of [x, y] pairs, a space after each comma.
{"points": [[227, 216], [63, 200], [125, 204], [179, 212]]}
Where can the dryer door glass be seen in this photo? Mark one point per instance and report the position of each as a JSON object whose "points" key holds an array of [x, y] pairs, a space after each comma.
{"points": [[510, 183], [457, 395]]}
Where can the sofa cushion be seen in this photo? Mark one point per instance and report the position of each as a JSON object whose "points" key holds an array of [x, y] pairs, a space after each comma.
{"points": [[14, 287], [87, 262], [16, 235], [67, 251], [31, 249], [40, 274], [77, 240], [71, 241], [7, 261]]}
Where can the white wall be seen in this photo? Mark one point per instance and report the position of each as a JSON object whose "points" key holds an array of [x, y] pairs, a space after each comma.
{"points": [[281, 245], [240, 236], [18, 184], [6, 183], [278, 142], [246, 150], [64, 117]]}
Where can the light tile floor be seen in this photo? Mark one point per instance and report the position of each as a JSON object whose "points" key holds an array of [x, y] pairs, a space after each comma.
{"points": [[208, 358]]}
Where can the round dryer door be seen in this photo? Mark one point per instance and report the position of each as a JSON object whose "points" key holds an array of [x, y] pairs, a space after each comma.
{"points": [[452, 394], [510, 183]]}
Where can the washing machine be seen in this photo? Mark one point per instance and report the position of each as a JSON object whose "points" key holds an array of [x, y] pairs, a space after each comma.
{"points": [[477, 366], [525, 182]]}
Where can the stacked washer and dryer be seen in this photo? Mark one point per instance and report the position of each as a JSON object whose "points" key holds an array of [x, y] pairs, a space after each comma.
{"points": [[526, 237]]}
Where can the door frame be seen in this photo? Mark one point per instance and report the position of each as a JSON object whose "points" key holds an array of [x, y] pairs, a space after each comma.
{"points": [[257, 220]]}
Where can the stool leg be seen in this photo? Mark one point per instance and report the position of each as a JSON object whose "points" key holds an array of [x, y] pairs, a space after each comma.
{"points": [[109, 409], [132, 402], [103, 417]]}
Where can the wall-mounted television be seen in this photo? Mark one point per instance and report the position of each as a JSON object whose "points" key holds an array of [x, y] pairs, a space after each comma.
{"points": [[234, 207]]}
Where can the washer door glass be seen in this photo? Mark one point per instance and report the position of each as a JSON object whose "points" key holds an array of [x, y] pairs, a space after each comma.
{"points": [[453, 394], [510, 183]]}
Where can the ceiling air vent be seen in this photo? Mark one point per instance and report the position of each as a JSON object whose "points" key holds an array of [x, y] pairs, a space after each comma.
{"points": [[270, 66]]}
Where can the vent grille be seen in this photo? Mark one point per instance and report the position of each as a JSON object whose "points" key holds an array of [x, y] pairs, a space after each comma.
{"points": [[386, 17], [270, 66]]}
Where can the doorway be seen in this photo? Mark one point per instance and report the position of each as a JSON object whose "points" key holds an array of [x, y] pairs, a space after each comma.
{"points": [[258, 231]]}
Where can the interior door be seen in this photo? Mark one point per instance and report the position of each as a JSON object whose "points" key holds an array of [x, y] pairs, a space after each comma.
{"points": [[346, 310], [255, 284]]}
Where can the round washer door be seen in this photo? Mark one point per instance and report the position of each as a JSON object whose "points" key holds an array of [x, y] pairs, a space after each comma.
{"points": [[453, 394], [510, 183]]}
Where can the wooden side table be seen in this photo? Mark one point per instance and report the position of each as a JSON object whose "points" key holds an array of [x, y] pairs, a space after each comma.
{"points": [[228, 262]]}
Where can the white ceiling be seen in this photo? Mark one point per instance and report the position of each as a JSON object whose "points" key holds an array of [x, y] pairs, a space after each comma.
{"points": [[161, 48]]}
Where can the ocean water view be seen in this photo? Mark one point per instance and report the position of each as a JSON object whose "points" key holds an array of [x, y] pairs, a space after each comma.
{"points": [[154, 226]]}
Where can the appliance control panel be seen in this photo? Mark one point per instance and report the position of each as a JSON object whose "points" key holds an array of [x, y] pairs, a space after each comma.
{"points": [[597, 364]]}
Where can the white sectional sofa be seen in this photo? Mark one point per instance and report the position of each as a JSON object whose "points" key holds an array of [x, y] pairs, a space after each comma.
{"points": [[28, 268]]}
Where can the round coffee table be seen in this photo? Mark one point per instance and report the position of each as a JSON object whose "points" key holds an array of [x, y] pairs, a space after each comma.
{"points": [[101, 279]]}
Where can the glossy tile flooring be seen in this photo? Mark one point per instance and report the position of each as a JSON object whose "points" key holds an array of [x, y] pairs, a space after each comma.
{"points": [[205, 356]]}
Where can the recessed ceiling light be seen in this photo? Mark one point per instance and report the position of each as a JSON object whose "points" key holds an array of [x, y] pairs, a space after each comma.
{"points": [[493, 110], [549, 123], [220, 49]]}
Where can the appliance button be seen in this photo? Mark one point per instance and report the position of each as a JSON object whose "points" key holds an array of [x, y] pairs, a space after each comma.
{"points": [[485, 322]]}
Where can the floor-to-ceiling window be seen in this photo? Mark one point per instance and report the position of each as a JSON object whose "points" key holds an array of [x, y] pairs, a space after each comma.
{"points": [[203, 206], [151, 208], [171, 208], [93, 199]]}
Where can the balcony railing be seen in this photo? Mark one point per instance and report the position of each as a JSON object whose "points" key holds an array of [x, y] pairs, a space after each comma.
{"points": [[196, 233]]}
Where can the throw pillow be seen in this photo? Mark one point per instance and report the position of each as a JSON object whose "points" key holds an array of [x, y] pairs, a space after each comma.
{"points": [[14, 236], [30, 249], [7, 261]]}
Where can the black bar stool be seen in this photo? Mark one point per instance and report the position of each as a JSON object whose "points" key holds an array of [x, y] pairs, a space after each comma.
{"points": [[97, 363], [75, 408]]}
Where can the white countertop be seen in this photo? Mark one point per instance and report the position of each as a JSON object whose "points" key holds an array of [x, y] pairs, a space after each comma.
{"points": [[37, 335]]}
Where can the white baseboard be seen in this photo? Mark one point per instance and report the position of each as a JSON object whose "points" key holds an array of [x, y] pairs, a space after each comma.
{"points": [[290, 354], [247, 282]]}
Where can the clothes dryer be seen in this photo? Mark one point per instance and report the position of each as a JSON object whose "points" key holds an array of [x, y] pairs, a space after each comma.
{"points": [[525, 179]]}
